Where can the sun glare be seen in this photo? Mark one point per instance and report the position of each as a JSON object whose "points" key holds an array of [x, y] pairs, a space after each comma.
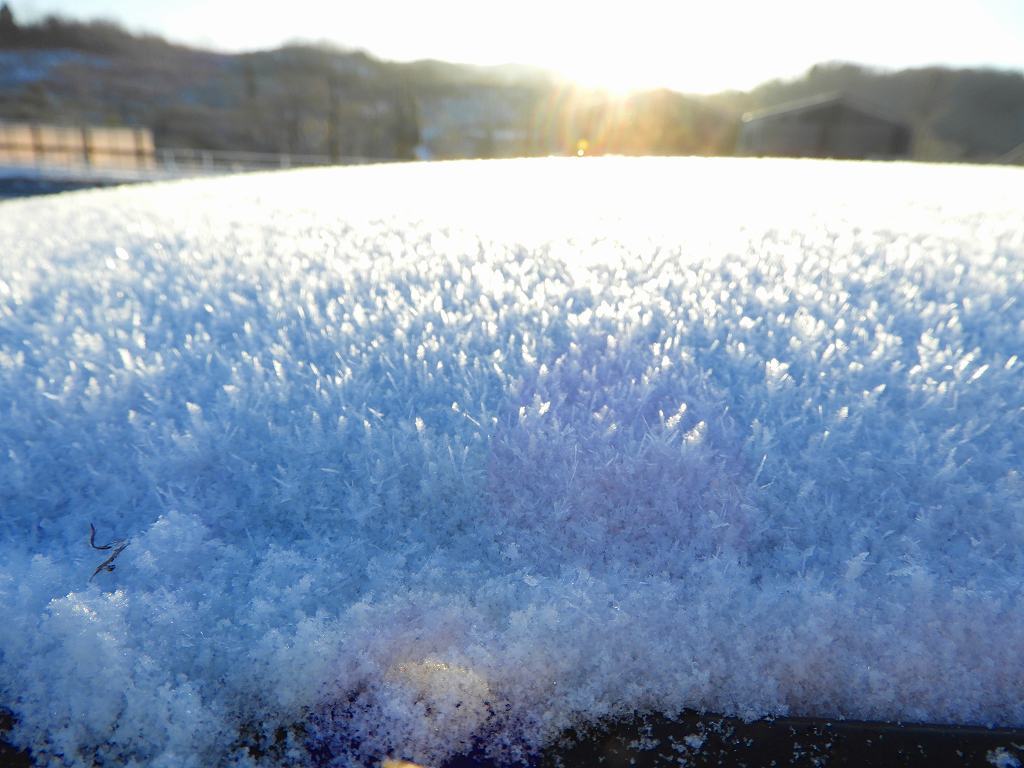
{"points": [[648, 45], [645, 45]]}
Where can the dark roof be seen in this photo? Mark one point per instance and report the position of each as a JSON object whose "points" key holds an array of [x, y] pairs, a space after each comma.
{"points": [[1015, 156], [815, 103]]}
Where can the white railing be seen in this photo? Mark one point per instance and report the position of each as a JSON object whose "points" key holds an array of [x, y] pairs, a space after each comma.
{"points": [[167, 163], [206, 161]]}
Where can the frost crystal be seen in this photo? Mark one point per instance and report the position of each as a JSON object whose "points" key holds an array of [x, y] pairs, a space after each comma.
{"points": [[427, 458]]}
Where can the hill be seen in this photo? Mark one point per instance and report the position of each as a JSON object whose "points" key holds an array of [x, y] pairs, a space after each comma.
{"points": [[323, 100]]}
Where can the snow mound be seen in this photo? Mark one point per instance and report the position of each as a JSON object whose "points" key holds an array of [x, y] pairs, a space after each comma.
{"points": [[424, 458]]}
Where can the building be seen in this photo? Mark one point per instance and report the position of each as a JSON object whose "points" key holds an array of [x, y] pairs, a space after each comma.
{"points": [[824, 126], [1014, 157]]}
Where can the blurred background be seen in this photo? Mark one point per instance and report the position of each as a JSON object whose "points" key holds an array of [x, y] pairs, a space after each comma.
{"points": [[106, 91]]}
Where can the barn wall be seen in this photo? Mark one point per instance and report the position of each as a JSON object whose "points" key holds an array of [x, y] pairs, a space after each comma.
{"points": [[832, 131]]}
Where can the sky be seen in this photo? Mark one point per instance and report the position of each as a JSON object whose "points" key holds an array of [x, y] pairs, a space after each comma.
{"points": [[688, 46]]}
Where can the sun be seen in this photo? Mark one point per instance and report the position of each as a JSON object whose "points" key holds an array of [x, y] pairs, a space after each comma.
{"points": [[686, 47], [621, 48]]}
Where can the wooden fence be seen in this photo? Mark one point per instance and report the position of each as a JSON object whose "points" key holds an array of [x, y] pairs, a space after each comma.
{"points": [[36, 144], [127, 154]]}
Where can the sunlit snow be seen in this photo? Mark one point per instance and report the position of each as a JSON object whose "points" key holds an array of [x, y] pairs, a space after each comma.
{"points": [[420, 457]]}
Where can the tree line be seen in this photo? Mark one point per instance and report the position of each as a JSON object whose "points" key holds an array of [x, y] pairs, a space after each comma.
{"points": [[322, 100]]}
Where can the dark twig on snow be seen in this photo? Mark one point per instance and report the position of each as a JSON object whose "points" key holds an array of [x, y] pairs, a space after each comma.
{"points": [[92, 538], [117, 546]]}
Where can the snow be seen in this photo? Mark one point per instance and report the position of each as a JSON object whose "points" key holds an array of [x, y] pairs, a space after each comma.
{"points": [[1001, 758], [417, 458]]}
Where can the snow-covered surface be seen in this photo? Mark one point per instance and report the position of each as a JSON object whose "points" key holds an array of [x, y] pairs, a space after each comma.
{"points": [[409, 455]]}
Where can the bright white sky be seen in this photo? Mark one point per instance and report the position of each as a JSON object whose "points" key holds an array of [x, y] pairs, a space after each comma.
{"points": [[689, 46]]}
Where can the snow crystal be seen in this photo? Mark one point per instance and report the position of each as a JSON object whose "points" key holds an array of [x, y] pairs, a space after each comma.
{"points": [[1001, 758], [419, 459]]}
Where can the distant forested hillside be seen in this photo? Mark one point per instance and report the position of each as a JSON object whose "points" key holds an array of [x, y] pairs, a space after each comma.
{"points": [[306, 99]]}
